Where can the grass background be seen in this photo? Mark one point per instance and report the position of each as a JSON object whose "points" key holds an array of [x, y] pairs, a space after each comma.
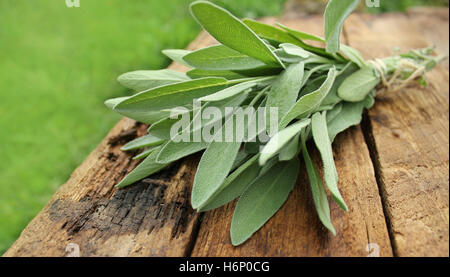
{"points": [[58, 65]]}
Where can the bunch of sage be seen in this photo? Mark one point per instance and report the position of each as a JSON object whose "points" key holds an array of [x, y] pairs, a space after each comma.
{"points": [[318, 92]]}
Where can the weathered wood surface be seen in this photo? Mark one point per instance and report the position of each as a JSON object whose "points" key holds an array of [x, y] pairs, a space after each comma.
{"points": [[393, 174], [409, 133]]}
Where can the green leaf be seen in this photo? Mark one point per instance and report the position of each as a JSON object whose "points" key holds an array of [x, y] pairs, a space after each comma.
{"points": [[285, 89], [212, 171], [359, 84], [295, 50], [144, 154], [177, 55], [318, 68], [353, 55], [332, 97], [262, 200], [148, 106], [333, 113], [232, 32], [269, 32], [322, 140], [220, 57], [350, 115], [227, 74], [335, 14], [301, 36], [234, 185], [317, 189], [146, 168], [141, 142], [311, 101], [146, 79], [172, 151], [234, 90], [290, 151], [280, 139], [111, 103], [161, 128]]}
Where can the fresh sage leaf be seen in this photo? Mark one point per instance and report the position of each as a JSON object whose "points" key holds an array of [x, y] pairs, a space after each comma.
{"points": [[290, 151], [311, 101], [220, 57], [359, 84], [234, 90], [285, 89], [350, 115], [332, 97], [177, 55], [144, 154], [172, 151], [211, 171], [335, 14], [141, 142], [323, 143], [234, 185], [294, 50], [317, 189], [146, 79], [227, 74], [152, 105], [111, 103], [270, 33], [262, 200], [280, 139], [333, 113], [353, 55], [146, 168], [232, 32]]}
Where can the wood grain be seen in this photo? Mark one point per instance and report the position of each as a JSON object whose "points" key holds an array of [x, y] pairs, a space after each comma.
{"points": [[408, 133], [295, 229]]}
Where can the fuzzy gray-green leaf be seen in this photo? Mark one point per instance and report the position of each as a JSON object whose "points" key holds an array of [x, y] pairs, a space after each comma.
{"points": [[322, 141], [232, 32], [146, 168], [146, 79], [177, 55], [308, 103], [317, 189], [262, 200], [234, 185], [212, 170], [359, 84], [280, 139], [335, 14], [285, 89], [152, 105], [220, 57], [141, 142], [350, 115]]}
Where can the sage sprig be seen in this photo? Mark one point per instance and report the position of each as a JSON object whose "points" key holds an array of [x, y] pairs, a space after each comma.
{"points": [[316, 92]]}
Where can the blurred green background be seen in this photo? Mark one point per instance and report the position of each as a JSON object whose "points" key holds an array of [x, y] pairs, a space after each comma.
{"points": [[58, 65]]}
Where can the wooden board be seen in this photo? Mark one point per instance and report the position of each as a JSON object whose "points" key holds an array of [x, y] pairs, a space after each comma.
{"points": [[409, 134], [393, 174]]}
